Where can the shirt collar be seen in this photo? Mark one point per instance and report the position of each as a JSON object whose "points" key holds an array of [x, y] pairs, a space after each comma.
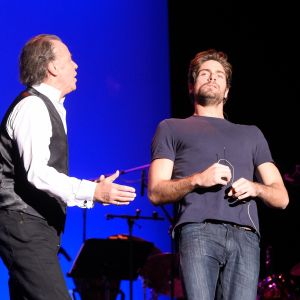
{"points": [[52, 93]]}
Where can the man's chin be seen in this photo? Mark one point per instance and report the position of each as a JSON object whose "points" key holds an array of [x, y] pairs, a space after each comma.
{"points": [[73, 88], [208, 100]]}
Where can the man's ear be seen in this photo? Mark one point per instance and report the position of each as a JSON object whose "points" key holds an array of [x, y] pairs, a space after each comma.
{"points": [[52, 68]]}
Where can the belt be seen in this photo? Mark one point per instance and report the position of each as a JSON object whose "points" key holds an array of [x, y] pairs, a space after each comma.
{"points": [[243, 227], [247, 228]]}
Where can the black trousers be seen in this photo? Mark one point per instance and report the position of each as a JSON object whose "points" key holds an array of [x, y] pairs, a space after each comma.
{"points": [[29, 247]]}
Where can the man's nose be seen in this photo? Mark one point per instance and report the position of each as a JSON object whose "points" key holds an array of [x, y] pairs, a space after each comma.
{"points": [[212, 77]]}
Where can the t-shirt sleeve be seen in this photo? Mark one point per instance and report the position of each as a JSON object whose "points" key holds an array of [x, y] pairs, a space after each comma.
{"points": [[262, 151], [163, 142]]}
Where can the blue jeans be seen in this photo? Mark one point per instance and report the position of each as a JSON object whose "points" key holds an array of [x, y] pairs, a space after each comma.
{"points": [[219, 261]]}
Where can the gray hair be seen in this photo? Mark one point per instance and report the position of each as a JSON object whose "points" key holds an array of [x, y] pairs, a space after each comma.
{"points": [[35, 57]]}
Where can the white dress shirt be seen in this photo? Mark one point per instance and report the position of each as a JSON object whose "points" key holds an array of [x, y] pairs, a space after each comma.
{"points": [[30, 126]]}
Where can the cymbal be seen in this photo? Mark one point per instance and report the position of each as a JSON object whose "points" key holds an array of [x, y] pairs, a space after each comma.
{"points": [[295, 271], [157, 273]]}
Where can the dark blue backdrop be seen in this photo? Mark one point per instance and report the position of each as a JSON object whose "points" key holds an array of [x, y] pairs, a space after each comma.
{"points": [[121, 48]]}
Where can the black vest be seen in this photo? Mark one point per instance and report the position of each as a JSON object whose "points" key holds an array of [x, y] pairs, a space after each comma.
{"points": [[16, 193]]}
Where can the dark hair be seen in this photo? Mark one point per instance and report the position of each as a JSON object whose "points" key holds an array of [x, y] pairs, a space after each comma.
{"points": [[35, 57], [204, 56]]}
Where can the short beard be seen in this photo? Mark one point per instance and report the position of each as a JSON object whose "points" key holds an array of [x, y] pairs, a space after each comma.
{"points": [[208, 99], [207, 96]]}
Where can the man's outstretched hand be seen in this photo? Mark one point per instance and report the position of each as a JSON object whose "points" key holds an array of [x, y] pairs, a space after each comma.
{"points": [[108, 192]]}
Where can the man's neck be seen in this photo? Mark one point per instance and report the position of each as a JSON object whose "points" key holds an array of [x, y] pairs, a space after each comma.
{"points": [[53, 84], [209, 111]]}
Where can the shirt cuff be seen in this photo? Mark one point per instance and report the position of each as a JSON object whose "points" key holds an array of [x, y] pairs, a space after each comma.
{"points": [[86, 193]]}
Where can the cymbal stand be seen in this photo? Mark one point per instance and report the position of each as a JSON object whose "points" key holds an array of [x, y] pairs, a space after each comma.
{"points": [[173, 250], [130, 221]]}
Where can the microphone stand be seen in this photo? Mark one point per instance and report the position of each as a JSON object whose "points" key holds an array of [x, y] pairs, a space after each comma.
{"points": [[130, 221], [122, 172], [134, 169], [173, 252], [84, 225]]}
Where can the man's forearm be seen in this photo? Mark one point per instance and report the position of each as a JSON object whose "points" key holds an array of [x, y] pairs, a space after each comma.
{"points": [[169, 191], [274, 195]]}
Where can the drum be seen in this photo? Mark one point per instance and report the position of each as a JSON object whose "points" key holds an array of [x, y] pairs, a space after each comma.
{"points": [[97, 288], [274, 287], [295, 281], [161, 273]]}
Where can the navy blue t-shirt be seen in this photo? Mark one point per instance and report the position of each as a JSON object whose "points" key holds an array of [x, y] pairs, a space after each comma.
{"points": [[197, 142]]}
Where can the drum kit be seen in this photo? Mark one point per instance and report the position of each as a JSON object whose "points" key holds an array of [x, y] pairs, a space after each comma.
{"points": [[124, 257], [283, 285], [280, 286], [98, 277]]}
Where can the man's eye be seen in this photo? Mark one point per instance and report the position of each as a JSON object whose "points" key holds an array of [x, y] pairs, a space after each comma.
{"points": [[203, 74]]}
